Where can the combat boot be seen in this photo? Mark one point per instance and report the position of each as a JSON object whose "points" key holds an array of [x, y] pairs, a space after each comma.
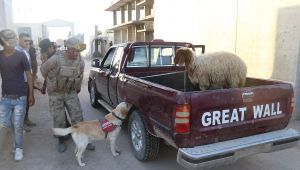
{"points": [[61, 146]]}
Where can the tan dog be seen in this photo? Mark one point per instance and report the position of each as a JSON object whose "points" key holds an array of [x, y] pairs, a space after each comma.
{"points": [[83, 132]]}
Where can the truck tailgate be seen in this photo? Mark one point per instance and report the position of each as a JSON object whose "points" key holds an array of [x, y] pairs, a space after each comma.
{"points": [[233, 113]]}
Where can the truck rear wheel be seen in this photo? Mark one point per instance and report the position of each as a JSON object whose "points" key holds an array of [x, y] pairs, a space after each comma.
{"points": [[144, 145], [94, 96]]}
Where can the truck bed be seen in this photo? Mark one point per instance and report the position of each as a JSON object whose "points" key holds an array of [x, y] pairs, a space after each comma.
{"points": [[261, 106], [180, 81]]}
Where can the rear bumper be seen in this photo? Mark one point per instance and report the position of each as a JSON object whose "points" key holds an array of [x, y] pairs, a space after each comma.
{"points": [[227, 152]]}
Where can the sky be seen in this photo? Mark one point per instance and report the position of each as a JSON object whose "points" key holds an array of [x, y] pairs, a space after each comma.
{"points": [[85, 14]]}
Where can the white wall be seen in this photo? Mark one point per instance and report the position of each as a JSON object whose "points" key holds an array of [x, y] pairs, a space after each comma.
{"points": [[36, 30], [265, 33], [6, 16]]}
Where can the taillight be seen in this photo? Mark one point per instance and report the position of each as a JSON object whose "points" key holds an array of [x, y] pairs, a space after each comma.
{"points": [[292, 104], [182, 118]]}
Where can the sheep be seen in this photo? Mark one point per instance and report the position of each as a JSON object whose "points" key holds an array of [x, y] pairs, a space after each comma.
{"points": [[213, 70]]}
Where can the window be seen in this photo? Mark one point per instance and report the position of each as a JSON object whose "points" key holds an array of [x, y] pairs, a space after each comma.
{"points": [[117, 60], [161, 56], [109, 58], [138, 57]]}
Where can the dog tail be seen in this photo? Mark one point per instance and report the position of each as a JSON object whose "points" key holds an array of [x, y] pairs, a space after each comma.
{"points": [[62, 131]]}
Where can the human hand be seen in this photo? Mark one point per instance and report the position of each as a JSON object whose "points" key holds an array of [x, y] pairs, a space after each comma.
{"points": [[31, 100], [43, 90]]}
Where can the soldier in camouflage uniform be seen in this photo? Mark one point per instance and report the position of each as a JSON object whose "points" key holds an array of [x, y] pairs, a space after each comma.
{"points": [[64, 74], [47, 50]]}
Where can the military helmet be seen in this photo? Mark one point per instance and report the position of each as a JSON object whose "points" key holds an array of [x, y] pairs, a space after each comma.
{"points": [[76, 42], [8, 37], [45, 44]]}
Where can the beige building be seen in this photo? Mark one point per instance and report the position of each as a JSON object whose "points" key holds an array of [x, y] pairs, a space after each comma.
{"points": [[132, 20]]}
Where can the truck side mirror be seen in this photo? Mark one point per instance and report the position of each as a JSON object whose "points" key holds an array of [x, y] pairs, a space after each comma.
{"points": [[96, 63]]}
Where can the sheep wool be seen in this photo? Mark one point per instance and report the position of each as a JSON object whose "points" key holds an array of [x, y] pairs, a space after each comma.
{"points": [[213, 70]]}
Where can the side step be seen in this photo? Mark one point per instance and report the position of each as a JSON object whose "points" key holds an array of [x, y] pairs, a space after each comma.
{"points": [[105, 105]]}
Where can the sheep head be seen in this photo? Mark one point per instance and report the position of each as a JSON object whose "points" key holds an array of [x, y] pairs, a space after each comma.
{"points": [[184, 55]]}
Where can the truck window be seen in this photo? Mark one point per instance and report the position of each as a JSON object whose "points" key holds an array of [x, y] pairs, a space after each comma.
{"points": [[116, 61], [161, 56], [108, 59], [138, 57]]}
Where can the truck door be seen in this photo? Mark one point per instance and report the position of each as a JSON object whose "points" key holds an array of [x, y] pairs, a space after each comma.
{"points": [[103, 77], [113, 78]]}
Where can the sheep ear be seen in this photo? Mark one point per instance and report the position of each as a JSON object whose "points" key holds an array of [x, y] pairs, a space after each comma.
{"points": [[179, 56], [176, 59], [189, 54]]}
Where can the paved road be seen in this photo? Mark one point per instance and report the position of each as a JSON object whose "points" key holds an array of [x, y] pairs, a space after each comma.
{"points": [[40, 152]]}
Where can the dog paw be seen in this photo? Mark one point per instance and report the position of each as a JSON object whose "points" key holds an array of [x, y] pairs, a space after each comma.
{"points": [[116, 154], [82, 164]]}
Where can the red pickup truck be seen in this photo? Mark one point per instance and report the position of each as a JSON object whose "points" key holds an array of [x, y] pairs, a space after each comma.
{"points": [[209, 128]]}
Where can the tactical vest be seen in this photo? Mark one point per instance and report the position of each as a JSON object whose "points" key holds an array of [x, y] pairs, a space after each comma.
{"points": [[68, 76]]}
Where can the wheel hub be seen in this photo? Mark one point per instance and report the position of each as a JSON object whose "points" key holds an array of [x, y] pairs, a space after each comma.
{"points": [[136, 136], [92, 94]]}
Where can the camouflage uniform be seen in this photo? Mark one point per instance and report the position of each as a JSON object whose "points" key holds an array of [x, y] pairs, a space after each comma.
{"points": [[64, 78], [44, 57]]}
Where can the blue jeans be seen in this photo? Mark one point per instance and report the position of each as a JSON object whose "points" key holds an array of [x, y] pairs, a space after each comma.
{"points": [[12, 113]]}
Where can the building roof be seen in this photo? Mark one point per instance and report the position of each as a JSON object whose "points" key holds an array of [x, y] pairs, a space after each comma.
{"points": [[116, 6]]}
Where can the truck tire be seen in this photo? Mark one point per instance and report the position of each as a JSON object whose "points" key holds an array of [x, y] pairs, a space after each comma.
{"points": [[94, 95], [144, 145]]}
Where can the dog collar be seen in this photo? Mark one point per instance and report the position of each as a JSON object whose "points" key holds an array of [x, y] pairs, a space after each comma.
{"points": [[113, 113]]}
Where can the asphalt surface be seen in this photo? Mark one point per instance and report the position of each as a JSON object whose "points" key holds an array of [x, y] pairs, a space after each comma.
{"points": [[40, 148]]}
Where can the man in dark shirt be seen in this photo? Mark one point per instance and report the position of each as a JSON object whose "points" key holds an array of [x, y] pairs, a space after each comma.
{"points": [[13, 64]]}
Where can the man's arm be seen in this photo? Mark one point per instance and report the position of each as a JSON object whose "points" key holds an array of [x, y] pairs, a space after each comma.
{"points": [[31, 99], [82, 66], [48, 65], [81, 75]]}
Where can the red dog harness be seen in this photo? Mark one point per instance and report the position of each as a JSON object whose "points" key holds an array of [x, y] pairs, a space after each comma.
{"points": [[107, 126]]}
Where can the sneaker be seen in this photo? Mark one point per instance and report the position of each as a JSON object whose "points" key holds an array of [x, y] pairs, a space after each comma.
{"points": [[18, 154], [90, 147]]}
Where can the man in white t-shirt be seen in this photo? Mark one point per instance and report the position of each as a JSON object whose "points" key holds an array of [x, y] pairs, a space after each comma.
{"points": [[24, 40]]}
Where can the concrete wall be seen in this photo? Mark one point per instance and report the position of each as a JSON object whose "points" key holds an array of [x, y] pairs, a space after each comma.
{"points": [[265, 33], [6, 14], [36, 30]]}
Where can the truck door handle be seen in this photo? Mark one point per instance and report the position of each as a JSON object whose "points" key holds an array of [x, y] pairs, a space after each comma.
{"points": [[145, 86], [106, 73]]}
